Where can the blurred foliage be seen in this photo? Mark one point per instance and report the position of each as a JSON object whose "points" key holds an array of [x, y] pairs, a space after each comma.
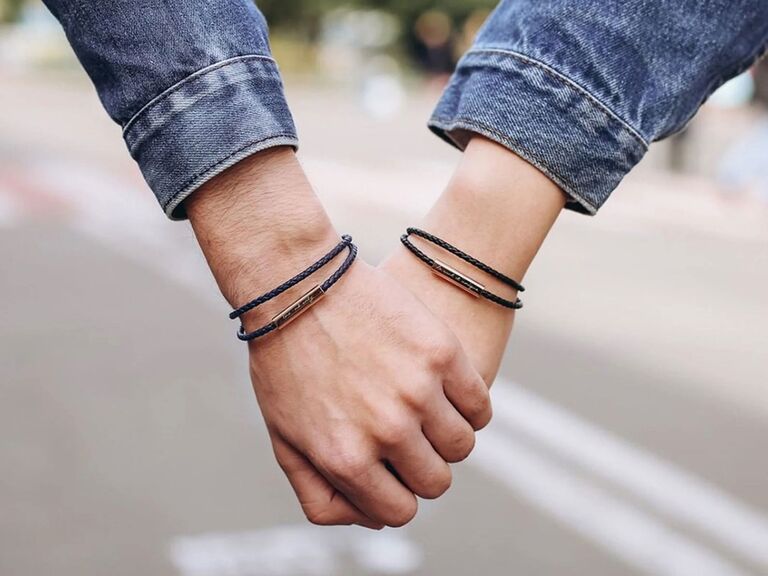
{"points": [[304, 15], [10, 10], [307, 13], [301, 19]]}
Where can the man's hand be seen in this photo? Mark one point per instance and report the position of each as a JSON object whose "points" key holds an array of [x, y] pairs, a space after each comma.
{"points": [[367, 384], [499, 209]]}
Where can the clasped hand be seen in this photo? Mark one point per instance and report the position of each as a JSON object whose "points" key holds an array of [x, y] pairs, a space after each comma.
{"points": [[372, 394]]}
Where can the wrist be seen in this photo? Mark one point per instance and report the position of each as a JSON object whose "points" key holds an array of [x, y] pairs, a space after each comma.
{"points": [[497, 207], [259, 223]]}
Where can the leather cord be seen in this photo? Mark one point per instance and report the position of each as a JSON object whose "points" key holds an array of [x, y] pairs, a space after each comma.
{"points": [[346, 240], [516, 304], [466, 257], [346, 243]]}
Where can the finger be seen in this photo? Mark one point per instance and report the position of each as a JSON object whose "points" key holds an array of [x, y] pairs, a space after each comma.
{"points": [[373, 489], [320, 501], [452, 437], [420, 467], [468, 392]]}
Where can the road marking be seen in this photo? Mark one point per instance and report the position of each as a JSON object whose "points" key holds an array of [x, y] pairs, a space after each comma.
{"points": [[295, 551], [115, 214], [668, 489], [624, 531], [10, 214], [633, 536]]}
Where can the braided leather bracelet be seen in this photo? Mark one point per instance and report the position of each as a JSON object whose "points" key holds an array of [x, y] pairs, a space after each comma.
{"points": [[304, 302], [457, 278]]}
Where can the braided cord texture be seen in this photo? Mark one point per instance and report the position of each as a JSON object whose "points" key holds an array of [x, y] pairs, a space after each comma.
{"points": [[326, 286], [513, 304], [466, 257], [345, 241]]}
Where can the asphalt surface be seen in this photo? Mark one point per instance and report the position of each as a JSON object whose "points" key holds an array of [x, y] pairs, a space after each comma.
{"points": [[631, 416]]}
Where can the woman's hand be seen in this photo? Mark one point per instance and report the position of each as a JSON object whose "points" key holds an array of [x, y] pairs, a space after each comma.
{"points": [[368, 396], [499, 209]]}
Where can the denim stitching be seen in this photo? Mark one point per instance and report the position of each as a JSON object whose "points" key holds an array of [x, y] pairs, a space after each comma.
{"points": [[221, 161], [561, 77], [203, 71], [475, 126]]}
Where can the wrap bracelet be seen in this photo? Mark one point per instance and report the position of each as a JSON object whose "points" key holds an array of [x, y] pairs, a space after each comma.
{"points": [[459, 279], [306, 301]]}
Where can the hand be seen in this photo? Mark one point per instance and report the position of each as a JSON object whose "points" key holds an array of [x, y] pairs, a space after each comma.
{"points": [[499, 209], [369, 378], [366, 383]]}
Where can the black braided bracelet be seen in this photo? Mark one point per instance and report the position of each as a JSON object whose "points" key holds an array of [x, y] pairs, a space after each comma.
{"points": [[307, 300], [456, 277]]}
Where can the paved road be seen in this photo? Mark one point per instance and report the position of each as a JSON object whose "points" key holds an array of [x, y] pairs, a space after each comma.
{"points": [[631, 416]]}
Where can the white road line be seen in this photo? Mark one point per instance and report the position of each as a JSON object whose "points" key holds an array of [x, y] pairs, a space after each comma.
{"points": [[294, 550], [118, 216], [10, 212], [670, 490], [624, 531], [618, 527]]}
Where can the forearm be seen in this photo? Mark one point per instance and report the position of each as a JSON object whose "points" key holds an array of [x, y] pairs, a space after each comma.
{"points": [[259, 223], [499, 209]]}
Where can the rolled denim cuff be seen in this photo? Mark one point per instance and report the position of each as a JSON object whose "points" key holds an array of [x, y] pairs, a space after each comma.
{"points": [[207, 123], [542, 116]]}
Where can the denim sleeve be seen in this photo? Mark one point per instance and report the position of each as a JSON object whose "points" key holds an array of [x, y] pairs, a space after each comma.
{"points": [[580, 89], [192, 83]]}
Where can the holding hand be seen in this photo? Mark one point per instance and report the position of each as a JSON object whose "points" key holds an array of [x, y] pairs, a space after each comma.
{"points": [[371, 397], [499, 209]]}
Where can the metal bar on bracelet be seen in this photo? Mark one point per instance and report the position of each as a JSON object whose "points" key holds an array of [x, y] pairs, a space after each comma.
{"points": [[453, 276], [439, 242], [459, 279], [304, 303]]}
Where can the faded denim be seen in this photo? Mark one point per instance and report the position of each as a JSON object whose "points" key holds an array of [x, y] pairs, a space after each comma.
{"points": [[579, 88], [192, 82]]}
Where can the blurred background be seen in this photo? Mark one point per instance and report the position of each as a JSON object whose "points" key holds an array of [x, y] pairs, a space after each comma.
{"points": [[631, 416]]}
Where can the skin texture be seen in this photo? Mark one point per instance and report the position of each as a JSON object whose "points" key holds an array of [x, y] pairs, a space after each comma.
{"points": [[370, 381], [499, 209]]}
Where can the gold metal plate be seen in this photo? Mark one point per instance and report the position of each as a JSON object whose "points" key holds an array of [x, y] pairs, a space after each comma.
{"points": [[459, 279], [298, 307]]}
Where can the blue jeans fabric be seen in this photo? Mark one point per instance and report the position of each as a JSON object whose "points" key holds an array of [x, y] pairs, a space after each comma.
{"points": [[192, 82], [579, 88]]}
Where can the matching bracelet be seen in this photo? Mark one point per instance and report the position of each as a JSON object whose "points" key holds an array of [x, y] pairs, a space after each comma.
{"points": [[310, 298], [306, 301], [457, 278]]}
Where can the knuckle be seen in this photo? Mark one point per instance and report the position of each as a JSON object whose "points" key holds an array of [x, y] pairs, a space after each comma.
{"points": [[442, 352], [394, 432], [479, 408], [486, 418], [345, 461], [402, 514], [317, 515], [350, 467], [438, 485], [418, 396], [461, 446], [393, 427]]}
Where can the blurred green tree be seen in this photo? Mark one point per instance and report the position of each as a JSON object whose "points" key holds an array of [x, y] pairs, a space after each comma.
{"points": [[10, 10], [304, 15]]}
